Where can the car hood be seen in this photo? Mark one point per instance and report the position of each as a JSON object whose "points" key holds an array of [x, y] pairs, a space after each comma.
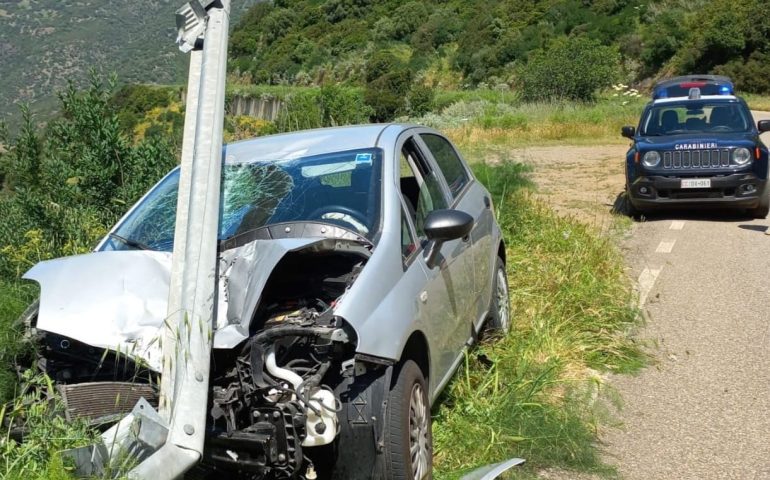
{"points": [[696, 141], [118, 300]]}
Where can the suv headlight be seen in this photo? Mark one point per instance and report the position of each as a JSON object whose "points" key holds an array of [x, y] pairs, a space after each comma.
{"points": [[651, 159], [741, 156]]}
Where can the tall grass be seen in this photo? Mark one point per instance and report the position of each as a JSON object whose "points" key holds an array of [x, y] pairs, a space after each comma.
{"points": [[14, 298], [513, 125], [757, 102], [532, 394]]}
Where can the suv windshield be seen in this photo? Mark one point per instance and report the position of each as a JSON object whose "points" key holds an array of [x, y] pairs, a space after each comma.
{"points": [[695, 117], [342, 188]]}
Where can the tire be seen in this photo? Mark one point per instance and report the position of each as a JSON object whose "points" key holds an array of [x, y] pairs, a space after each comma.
{"points": [[499, 320], [763, 208], [630, 209], [410, 441]]}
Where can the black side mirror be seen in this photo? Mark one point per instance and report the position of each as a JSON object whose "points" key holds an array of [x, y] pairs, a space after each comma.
{"points": [[442, 226], [763, 126], [628, 132]]}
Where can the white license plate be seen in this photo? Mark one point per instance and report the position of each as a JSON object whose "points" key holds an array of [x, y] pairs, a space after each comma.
{"points": [[696, 183]]}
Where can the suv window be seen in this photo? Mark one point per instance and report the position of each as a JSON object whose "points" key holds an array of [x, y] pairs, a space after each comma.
{"points": [[450, 164], [420, 187]]}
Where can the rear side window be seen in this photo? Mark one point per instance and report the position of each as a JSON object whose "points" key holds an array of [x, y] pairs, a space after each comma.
{"points": [[448, 162]]}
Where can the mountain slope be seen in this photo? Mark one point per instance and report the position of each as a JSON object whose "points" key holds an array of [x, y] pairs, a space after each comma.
{"points": [[46, 43]]}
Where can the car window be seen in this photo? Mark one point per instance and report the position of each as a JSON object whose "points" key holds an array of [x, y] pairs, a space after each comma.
{"points": [[420, 186], [696, 117], [341, 188], [408, 243], [448, 162]]}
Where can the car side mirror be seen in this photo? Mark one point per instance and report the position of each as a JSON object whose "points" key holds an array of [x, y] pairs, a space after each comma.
{"points": [[442, 226], [628, 132], [763, 126]]}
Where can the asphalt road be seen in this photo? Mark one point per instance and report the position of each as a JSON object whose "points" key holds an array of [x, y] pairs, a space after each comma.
{"points": [[702, 411]]}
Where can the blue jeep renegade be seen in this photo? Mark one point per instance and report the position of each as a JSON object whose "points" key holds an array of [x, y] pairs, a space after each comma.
{"points": [[697, 150]]}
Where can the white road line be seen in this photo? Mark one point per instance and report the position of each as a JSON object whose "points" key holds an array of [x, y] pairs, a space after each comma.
{"points": [[646, 282], [677, 224], [665, 246]]}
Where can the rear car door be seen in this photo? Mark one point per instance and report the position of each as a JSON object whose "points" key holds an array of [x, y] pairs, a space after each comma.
{"points": [[467, 195]]}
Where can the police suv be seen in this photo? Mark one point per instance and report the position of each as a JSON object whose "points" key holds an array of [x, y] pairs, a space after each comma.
{"points": [[697, 145]]}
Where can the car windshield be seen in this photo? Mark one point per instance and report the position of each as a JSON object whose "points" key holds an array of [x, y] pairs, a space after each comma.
{"points": [[342, 188], [695, 117]]}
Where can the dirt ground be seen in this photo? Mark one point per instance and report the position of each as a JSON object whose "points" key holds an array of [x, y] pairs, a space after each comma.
{"points": [[580, 181]]}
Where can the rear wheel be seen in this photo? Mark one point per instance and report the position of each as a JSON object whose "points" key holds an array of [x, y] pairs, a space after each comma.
{"points": [[410, 444], [500, 307]]}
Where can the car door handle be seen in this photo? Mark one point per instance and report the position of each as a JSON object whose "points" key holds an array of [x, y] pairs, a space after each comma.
{"points": [[487, 202]]}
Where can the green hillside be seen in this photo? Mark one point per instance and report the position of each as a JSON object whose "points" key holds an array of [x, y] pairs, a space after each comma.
{"points": [[461, 43], [46, 43]]}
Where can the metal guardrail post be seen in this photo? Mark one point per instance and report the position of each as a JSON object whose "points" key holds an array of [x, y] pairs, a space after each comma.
{"points": [[188, 330]]}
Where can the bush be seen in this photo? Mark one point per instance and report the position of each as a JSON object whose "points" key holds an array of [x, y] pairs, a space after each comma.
{"points": [[753, 75], [70, 180], [570, 68], [328, 107]]}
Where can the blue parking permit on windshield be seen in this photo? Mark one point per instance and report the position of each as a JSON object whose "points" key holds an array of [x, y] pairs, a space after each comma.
{"points": [[364, 158]]}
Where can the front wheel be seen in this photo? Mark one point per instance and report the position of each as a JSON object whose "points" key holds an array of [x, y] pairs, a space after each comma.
{"points": [[410, 444], [763, 208]]}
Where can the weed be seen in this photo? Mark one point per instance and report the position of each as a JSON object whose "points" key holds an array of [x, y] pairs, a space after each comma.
{"points": [[47, 433], [532, 394]]}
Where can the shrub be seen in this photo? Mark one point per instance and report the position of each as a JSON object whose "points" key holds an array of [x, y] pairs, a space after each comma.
{"points": [[330, 106], [570, 68], [72, 179]]}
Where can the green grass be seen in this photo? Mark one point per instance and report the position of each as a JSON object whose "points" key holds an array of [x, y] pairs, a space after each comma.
{"points": [[534, 394], [757, 102], [482, 122]]}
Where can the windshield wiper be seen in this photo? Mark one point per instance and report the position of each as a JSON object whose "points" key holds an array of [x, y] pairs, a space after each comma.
{"points": [[129, 242]]}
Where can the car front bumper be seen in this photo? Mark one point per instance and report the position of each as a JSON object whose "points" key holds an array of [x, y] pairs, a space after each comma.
{"points": [[739, 190]]}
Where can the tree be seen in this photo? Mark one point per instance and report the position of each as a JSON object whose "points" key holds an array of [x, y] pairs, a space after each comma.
{"points": [[569, 68]]}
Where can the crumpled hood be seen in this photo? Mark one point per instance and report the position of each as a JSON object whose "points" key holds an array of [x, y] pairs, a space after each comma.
{"points": [[118, 300]]}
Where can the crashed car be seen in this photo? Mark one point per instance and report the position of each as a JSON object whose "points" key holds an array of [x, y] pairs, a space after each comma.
{"points": [[355, 266], [697, 150]]}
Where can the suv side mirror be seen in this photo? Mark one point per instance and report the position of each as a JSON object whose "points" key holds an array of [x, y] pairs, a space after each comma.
{"points": [[763, 126], [628, 132], [442, 226]]}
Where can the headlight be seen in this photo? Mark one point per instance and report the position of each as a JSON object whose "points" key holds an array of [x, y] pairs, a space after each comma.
{"points": [[741, 156], [651, 159]]}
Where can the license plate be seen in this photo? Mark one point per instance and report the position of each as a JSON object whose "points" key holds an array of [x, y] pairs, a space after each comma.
{"points": [[696, 183]]}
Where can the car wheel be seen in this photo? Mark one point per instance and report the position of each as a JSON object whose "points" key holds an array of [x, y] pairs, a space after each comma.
{"points": [[629, 207], [500, 307], [409, 423], [763, 208]]}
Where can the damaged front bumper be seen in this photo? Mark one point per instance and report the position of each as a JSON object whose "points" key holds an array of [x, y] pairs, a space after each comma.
{"points": [[279, 348]]}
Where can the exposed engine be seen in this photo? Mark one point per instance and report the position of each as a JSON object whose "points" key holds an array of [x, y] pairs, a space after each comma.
{"points": [[274, 397]]}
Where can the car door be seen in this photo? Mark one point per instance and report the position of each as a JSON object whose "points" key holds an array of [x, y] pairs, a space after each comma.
{"points": [[445, 302], [467, 195]]}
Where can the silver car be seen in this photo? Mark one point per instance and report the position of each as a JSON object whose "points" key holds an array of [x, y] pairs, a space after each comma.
{"points": [[355, 266]]}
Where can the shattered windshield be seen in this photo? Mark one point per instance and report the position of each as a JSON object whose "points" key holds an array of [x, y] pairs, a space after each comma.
{"points": [[342, 188], [695, 117]]}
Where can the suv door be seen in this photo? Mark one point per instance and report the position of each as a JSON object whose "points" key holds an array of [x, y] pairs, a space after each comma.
{"points": [[445, 304], [470, 197]]}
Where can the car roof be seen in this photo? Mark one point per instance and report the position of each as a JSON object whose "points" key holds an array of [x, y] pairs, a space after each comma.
{"points": [[308, 143]]}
